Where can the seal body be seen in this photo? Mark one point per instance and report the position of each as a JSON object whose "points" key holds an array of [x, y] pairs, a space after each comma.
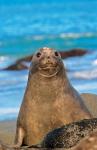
{"points": [[49, 101]]}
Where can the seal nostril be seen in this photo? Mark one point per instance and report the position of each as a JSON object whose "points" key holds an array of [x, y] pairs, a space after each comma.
{"points": [[48, 57]]}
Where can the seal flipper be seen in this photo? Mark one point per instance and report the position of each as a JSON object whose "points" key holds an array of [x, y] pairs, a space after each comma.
{"points": [[90, 100], [34, 146], [18, 142], [19, 137]]}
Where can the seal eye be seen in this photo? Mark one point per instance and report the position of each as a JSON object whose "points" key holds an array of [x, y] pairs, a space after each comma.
{"points": [[56, 54], [38, 54]]}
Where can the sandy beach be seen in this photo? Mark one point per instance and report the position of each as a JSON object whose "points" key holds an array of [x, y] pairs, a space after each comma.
{"points": [[7, 131]]}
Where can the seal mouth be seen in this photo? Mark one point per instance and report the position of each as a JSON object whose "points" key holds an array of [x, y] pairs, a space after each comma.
{"points": [[48, 71], [48, 76], [47, 68]]}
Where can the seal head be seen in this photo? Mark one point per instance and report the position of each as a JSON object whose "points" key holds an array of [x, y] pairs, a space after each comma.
{"points": [[47, 62]]}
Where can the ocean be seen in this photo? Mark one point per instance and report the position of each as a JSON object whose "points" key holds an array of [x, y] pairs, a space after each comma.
{"points": [[26, 25]]}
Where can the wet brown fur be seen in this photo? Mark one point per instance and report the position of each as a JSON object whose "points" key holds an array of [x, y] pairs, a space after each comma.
{"points": [[48, 103]]}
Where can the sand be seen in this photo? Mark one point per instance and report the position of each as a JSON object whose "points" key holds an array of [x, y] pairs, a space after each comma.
{"points": [[7, 131]]}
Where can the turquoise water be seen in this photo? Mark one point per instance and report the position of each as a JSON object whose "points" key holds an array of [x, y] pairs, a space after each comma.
{"points": [[26, 25], [28, 45], [20, 18]]}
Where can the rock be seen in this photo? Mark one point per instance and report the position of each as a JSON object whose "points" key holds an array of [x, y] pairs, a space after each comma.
{"points": [[73, 53], [17, 66], [25, 59]]}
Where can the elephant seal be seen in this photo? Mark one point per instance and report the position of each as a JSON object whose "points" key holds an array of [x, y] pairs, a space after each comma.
{"points": [[49, 101]]}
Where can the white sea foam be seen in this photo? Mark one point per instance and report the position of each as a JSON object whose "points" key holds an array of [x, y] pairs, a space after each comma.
{"points": [[6, 111], [91, 74], [4, 58], [95, 62], [86, 87], [77, 35], [5, 61]]}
